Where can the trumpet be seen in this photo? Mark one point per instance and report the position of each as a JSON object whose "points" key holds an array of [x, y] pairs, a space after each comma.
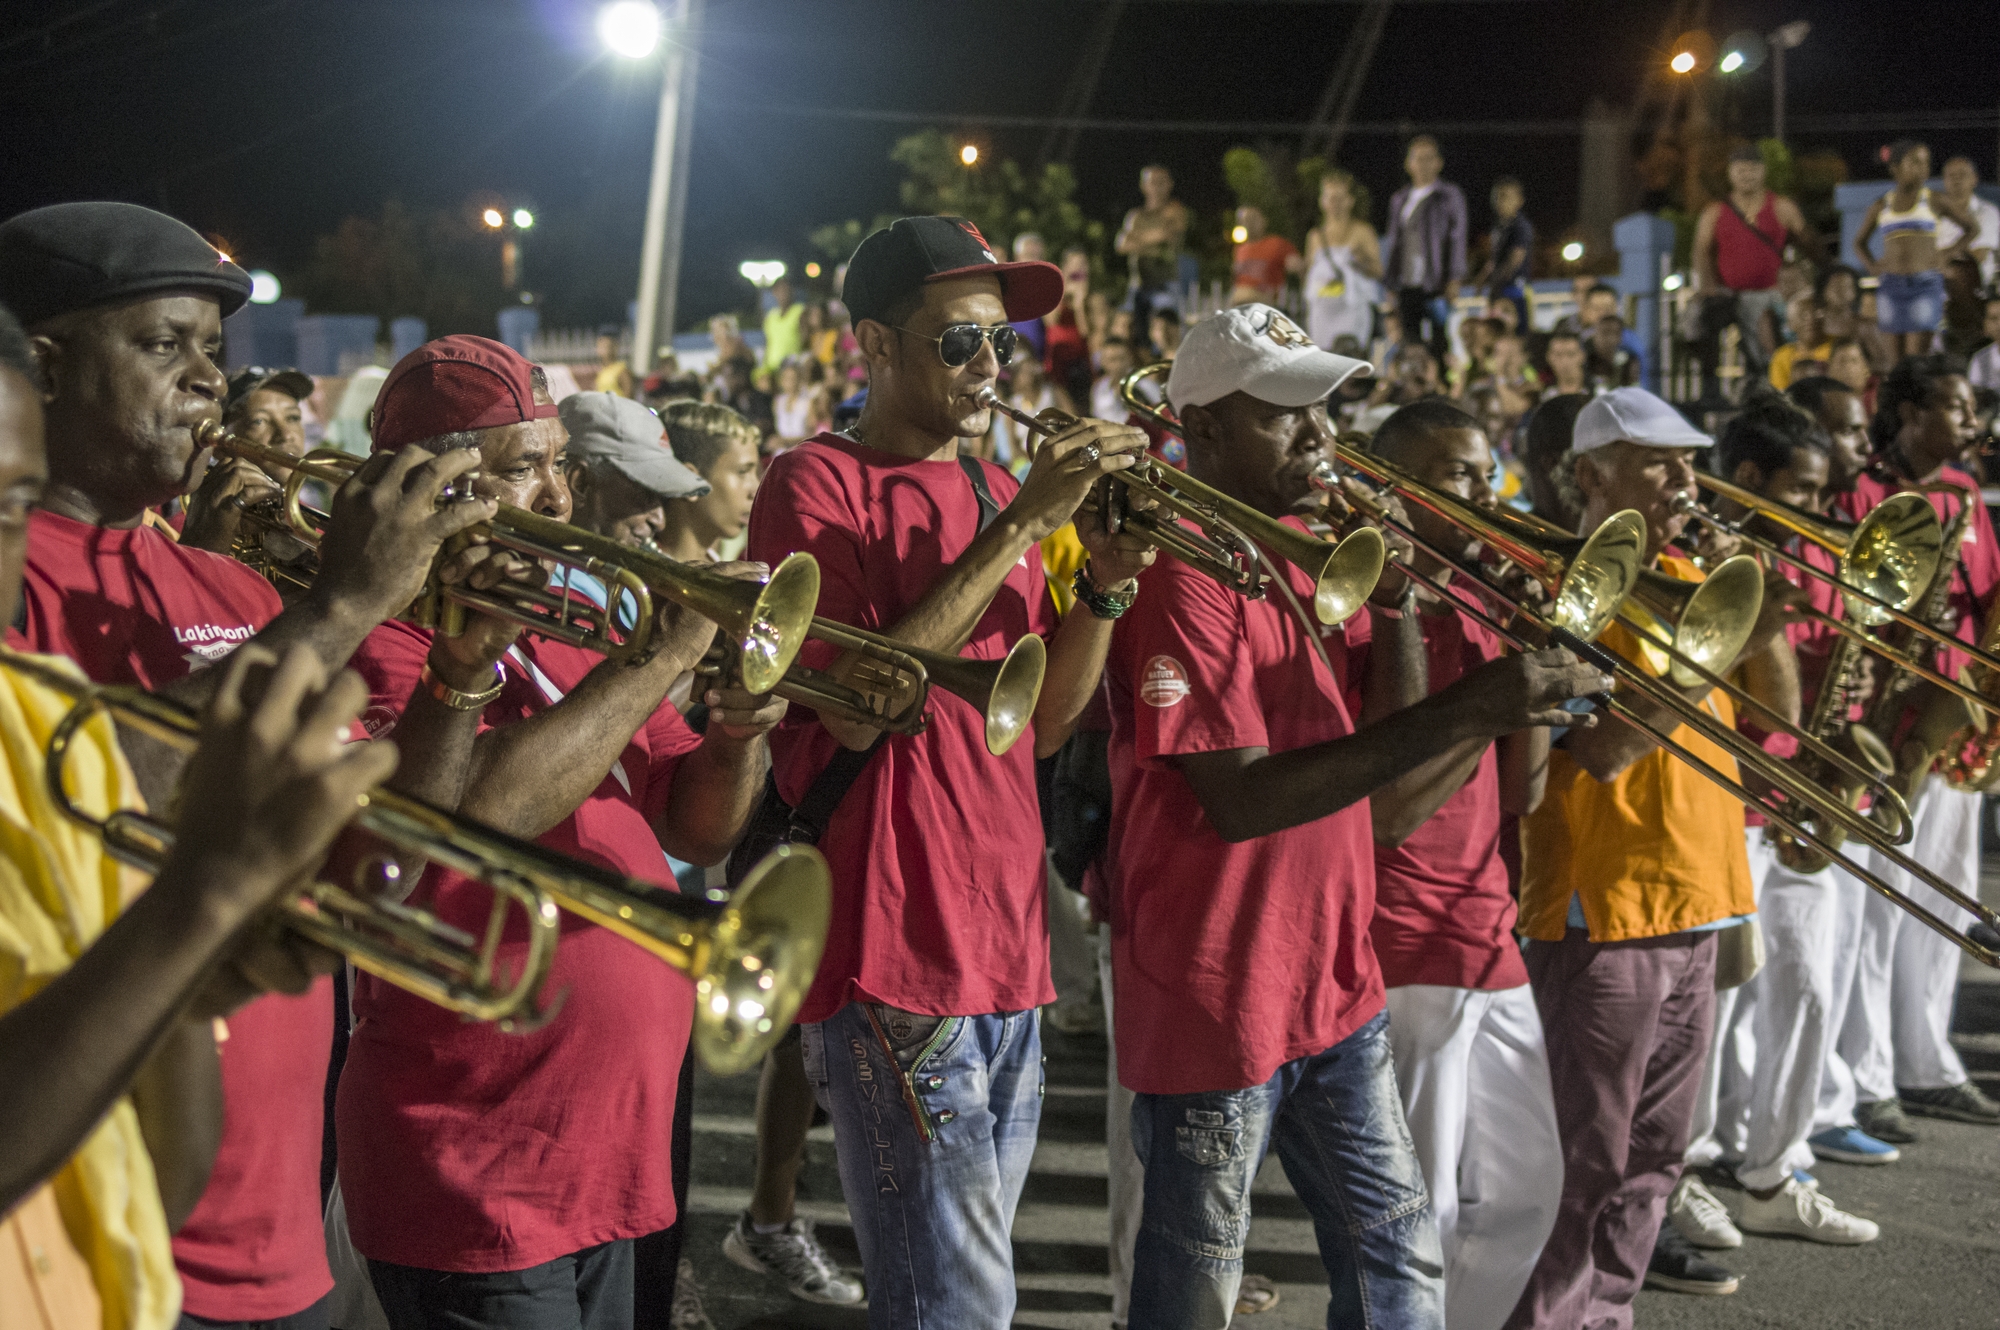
{"points": [[889, 683], [1799, 808], [1885, 563], [1227, 547], [751, 955], [767, 622]]}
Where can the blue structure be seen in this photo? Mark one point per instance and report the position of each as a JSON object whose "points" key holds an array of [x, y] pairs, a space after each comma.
{"points": [[332, 344], [265, 335], [406, 335], [518, 326], [1645, 255]]}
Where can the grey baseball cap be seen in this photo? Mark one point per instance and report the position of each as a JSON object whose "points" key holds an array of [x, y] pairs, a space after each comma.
{"points": [[604, 427]]}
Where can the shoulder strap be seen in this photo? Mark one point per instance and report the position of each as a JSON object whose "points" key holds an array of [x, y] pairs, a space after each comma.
{"points": [[817, 808], [1775, 246], [974, 472]]}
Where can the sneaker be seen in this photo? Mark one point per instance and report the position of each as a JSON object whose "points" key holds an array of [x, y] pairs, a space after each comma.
{"points": [[1851, 1145], [1801, 1212], [1255, 1294], [1805, 1179], [794, 1255], [687, 1313], [1885, 1121], [1679, 1268], [1960, 1103], [1699, 1217]]}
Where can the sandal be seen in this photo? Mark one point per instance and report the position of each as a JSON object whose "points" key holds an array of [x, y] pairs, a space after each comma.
{"points": [[1255, 1294]]}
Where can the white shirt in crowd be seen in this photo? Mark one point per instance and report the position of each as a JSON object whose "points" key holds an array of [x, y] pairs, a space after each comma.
{"points": [[1988, 239]]}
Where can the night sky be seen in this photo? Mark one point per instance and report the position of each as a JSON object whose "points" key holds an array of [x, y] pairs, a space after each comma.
{"points": [[267, 121]]}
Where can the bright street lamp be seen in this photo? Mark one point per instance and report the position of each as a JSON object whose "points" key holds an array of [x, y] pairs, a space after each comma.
{"points": [[630, 28], [1731, 62], [523, 218], [1682, 63], [1239, 234], [968, 154], [761, 273], [493, 219], [1572, 251]]}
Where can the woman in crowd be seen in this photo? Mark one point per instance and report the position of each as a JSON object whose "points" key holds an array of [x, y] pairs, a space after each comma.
{"points": [[1343, 261], [1028, 389], [1910, 301], [795, 407]]}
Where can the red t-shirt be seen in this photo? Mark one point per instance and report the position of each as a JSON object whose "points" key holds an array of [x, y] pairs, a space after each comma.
{"points": [[1230, 959], [1260, 264], [939, 902], [1443, 914], [132, 607], [465, 1148]]}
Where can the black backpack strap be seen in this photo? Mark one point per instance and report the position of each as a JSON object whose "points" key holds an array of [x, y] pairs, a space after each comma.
{"points": [[974, 472], [809, 819]]}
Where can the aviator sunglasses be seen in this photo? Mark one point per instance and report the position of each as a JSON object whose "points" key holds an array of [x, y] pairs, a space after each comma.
{"points": [[959, 343]]}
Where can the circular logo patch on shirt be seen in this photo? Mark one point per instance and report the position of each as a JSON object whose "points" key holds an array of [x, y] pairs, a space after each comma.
{"points": [[1163, 682]]}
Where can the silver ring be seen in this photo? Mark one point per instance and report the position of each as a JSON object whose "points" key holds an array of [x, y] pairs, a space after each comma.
{"points": [[1089, 453]]}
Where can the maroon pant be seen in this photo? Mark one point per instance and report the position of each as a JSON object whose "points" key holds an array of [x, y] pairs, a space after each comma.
{"points": [[1628, 1026]]}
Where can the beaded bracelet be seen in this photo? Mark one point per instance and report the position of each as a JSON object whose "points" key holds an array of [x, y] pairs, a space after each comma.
{"points": [[1102, 603]]}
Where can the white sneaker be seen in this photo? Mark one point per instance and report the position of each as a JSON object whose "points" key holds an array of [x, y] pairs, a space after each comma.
{"points": [[793, 1255], [1700, 1217], [1802, 1212]]}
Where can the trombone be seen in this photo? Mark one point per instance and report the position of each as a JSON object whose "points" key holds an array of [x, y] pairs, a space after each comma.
{"points": [[1226, 548], [751, 955], [767, 622], [889, 683], [1803, 806], [1885, 563]]}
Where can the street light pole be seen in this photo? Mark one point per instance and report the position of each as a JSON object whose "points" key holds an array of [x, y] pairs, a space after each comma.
{"points": [[1781, 41], [666, 192]]}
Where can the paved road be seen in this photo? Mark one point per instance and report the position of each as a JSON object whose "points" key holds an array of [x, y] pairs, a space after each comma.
{"points": [[1937, 1265]]}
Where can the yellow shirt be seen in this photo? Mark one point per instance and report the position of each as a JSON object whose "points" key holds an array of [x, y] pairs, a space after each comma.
{"points": [[1062, 555], [58, 891], [1657, 850], [1790, 354]]}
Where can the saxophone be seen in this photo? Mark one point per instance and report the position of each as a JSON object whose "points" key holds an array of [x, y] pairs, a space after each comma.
{"points": [[1829, 723], [1940, 716]]}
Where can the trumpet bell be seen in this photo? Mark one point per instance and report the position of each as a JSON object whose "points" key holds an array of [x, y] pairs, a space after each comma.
{"points": [[1892, 555], [1707, 621], [763, 951], [1006, 697], [1348, 571]]}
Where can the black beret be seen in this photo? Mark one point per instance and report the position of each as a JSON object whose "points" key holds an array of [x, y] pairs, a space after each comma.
{"points": [[72, 256]]}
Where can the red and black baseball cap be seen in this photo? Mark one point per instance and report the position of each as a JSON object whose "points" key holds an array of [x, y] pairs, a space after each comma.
{"points": [[455, 383], [893, 262]]}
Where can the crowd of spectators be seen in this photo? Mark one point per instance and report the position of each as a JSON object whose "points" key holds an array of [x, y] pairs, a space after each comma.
{"points": [[1398, 297]]}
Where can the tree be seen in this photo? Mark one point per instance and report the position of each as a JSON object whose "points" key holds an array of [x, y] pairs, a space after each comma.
{"points": [[437, 265], [999, 198]]}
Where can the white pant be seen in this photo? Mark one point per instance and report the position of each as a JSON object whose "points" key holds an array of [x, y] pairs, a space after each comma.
{"points": [[1474, 1077], [1836, 1082], [1715, 1132], [1898, 1026], [1126, 1175], [1791, 1018]]}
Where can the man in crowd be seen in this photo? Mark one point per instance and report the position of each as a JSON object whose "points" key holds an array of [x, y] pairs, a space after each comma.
{"points": [[1568, 366], [1262, 261], [1152, 238], [1896, 1038], [112, 1098], [1837, 409], [1629, 864], [920, 1030], [447, 1129], [1510, 251], [267, 406], [1240, 830], [1961, 177], [1467, 1040], [1775, 1032], [1739, 249], [782, 339], [1423, 251], [124, 310]]}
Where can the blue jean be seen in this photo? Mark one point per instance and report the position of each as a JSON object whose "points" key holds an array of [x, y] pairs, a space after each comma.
{"points": [[1337, 1123], [932, 1201]]}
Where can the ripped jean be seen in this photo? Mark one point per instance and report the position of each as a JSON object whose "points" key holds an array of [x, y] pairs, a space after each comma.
{"points": [[1337, 1123], [933, 1217]]}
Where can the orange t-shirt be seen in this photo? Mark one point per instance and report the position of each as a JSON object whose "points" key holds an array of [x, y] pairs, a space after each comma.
{"points": [[1657, 850], [1260, 264]]}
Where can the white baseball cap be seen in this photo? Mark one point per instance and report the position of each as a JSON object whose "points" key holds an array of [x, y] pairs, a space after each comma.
{"points": [[1635, 416], [1254, 349]]}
